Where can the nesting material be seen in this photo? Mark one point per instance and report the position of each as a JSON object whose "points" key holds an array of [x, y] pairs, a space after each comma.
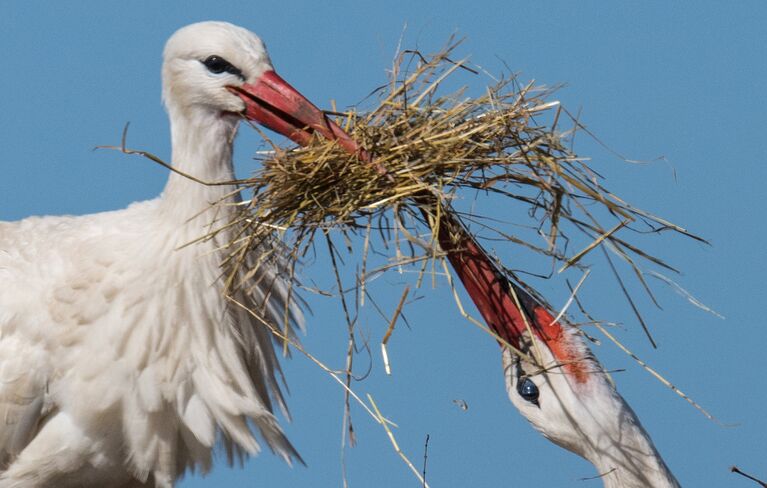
{"points": [[426, 147]]}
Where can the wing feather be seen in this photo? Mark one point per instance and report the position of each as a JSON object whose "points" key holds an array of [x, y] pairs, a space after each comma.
{"points": [[23, 399]]}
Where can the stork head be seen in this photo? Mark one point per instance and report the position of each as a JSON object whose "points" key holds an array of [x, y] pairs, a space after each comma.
{"points": [[221, 70], [566, 395], [568, 400]]}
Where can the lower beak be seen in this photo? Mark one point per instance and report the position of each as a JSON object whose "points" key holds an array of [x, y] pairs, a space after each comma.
{"points": [[273, 103]]}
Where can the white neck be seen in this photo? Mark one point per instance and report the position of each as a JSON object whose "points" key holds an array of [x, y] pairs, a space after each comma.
{"points": [[622, 472], [202, 148], [632, 460]]}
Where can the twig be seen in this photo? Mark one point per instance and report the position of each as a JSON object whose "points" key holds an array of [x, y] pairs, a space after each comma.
{"points": [[393, 321], [425, 458], [657, 375], [600, 475], [591, 246], [735, 469], [571, 298], [397, 449], [124, 149]]}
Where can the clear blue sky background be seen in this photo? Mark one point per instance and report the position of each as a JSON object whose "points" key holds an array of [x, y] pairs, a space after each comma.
{"points": [[684, 81]]}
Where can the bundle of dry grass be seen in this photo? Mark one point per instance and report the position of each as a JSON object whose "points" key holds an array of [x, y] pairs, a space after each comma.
{"points": [[423, 148], [426, 146]]}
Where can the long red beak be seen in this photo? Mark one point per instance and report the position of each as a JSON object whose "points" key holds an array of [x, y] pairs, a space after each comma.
{"points": [[507, 308], [273, 103]]}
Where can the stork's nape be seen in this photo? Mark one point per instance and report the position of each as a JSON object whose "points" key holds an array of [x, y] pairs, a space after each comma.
{"points": [[121, 364]]}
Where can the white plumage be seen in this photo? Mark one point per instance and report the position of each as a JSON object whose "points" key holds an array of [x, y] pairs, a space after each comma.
{"points": [[121, 362]]}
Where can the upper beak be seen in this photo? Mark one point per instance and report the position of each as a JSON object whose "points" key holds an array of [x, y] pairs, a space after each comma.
{"points": [[273, 103]]}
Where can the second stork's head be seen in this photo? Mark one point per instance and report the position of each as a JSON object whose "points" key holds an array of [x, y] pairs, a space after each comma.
{"points": [[565, 393]]}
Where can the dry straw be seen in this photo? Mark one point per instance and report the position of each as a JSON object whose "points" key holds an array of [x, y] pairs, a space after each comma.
{"points": [[426, 146]]}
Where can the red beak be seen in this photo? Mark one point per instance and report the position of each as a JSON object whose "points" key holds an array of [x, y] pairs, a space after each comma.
{"points": [[273, 103]]}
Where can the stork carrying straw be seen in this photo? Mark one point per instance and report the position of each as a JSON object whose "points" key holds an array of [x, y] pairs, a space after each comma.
{"points": [[122, 364]]}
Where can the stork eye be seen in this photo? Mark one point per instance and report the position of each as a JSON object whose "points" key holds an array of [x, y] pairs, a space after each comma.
{"points": [[218, 65], [528, 390]]}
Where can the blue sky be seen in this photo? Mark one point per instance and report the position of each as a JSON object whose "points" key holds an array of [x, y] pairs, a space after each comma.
{"points": [[683, 81]]}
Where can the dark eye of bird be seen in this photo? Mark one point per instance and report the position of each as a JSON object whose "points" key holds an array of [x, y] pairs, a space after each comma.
{"points": [[218, 65], [528, 390]]}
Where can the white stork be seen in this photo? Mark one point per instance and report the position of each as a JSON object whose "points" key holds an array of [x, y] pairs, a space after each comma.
{"points": [[121, 363]]}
